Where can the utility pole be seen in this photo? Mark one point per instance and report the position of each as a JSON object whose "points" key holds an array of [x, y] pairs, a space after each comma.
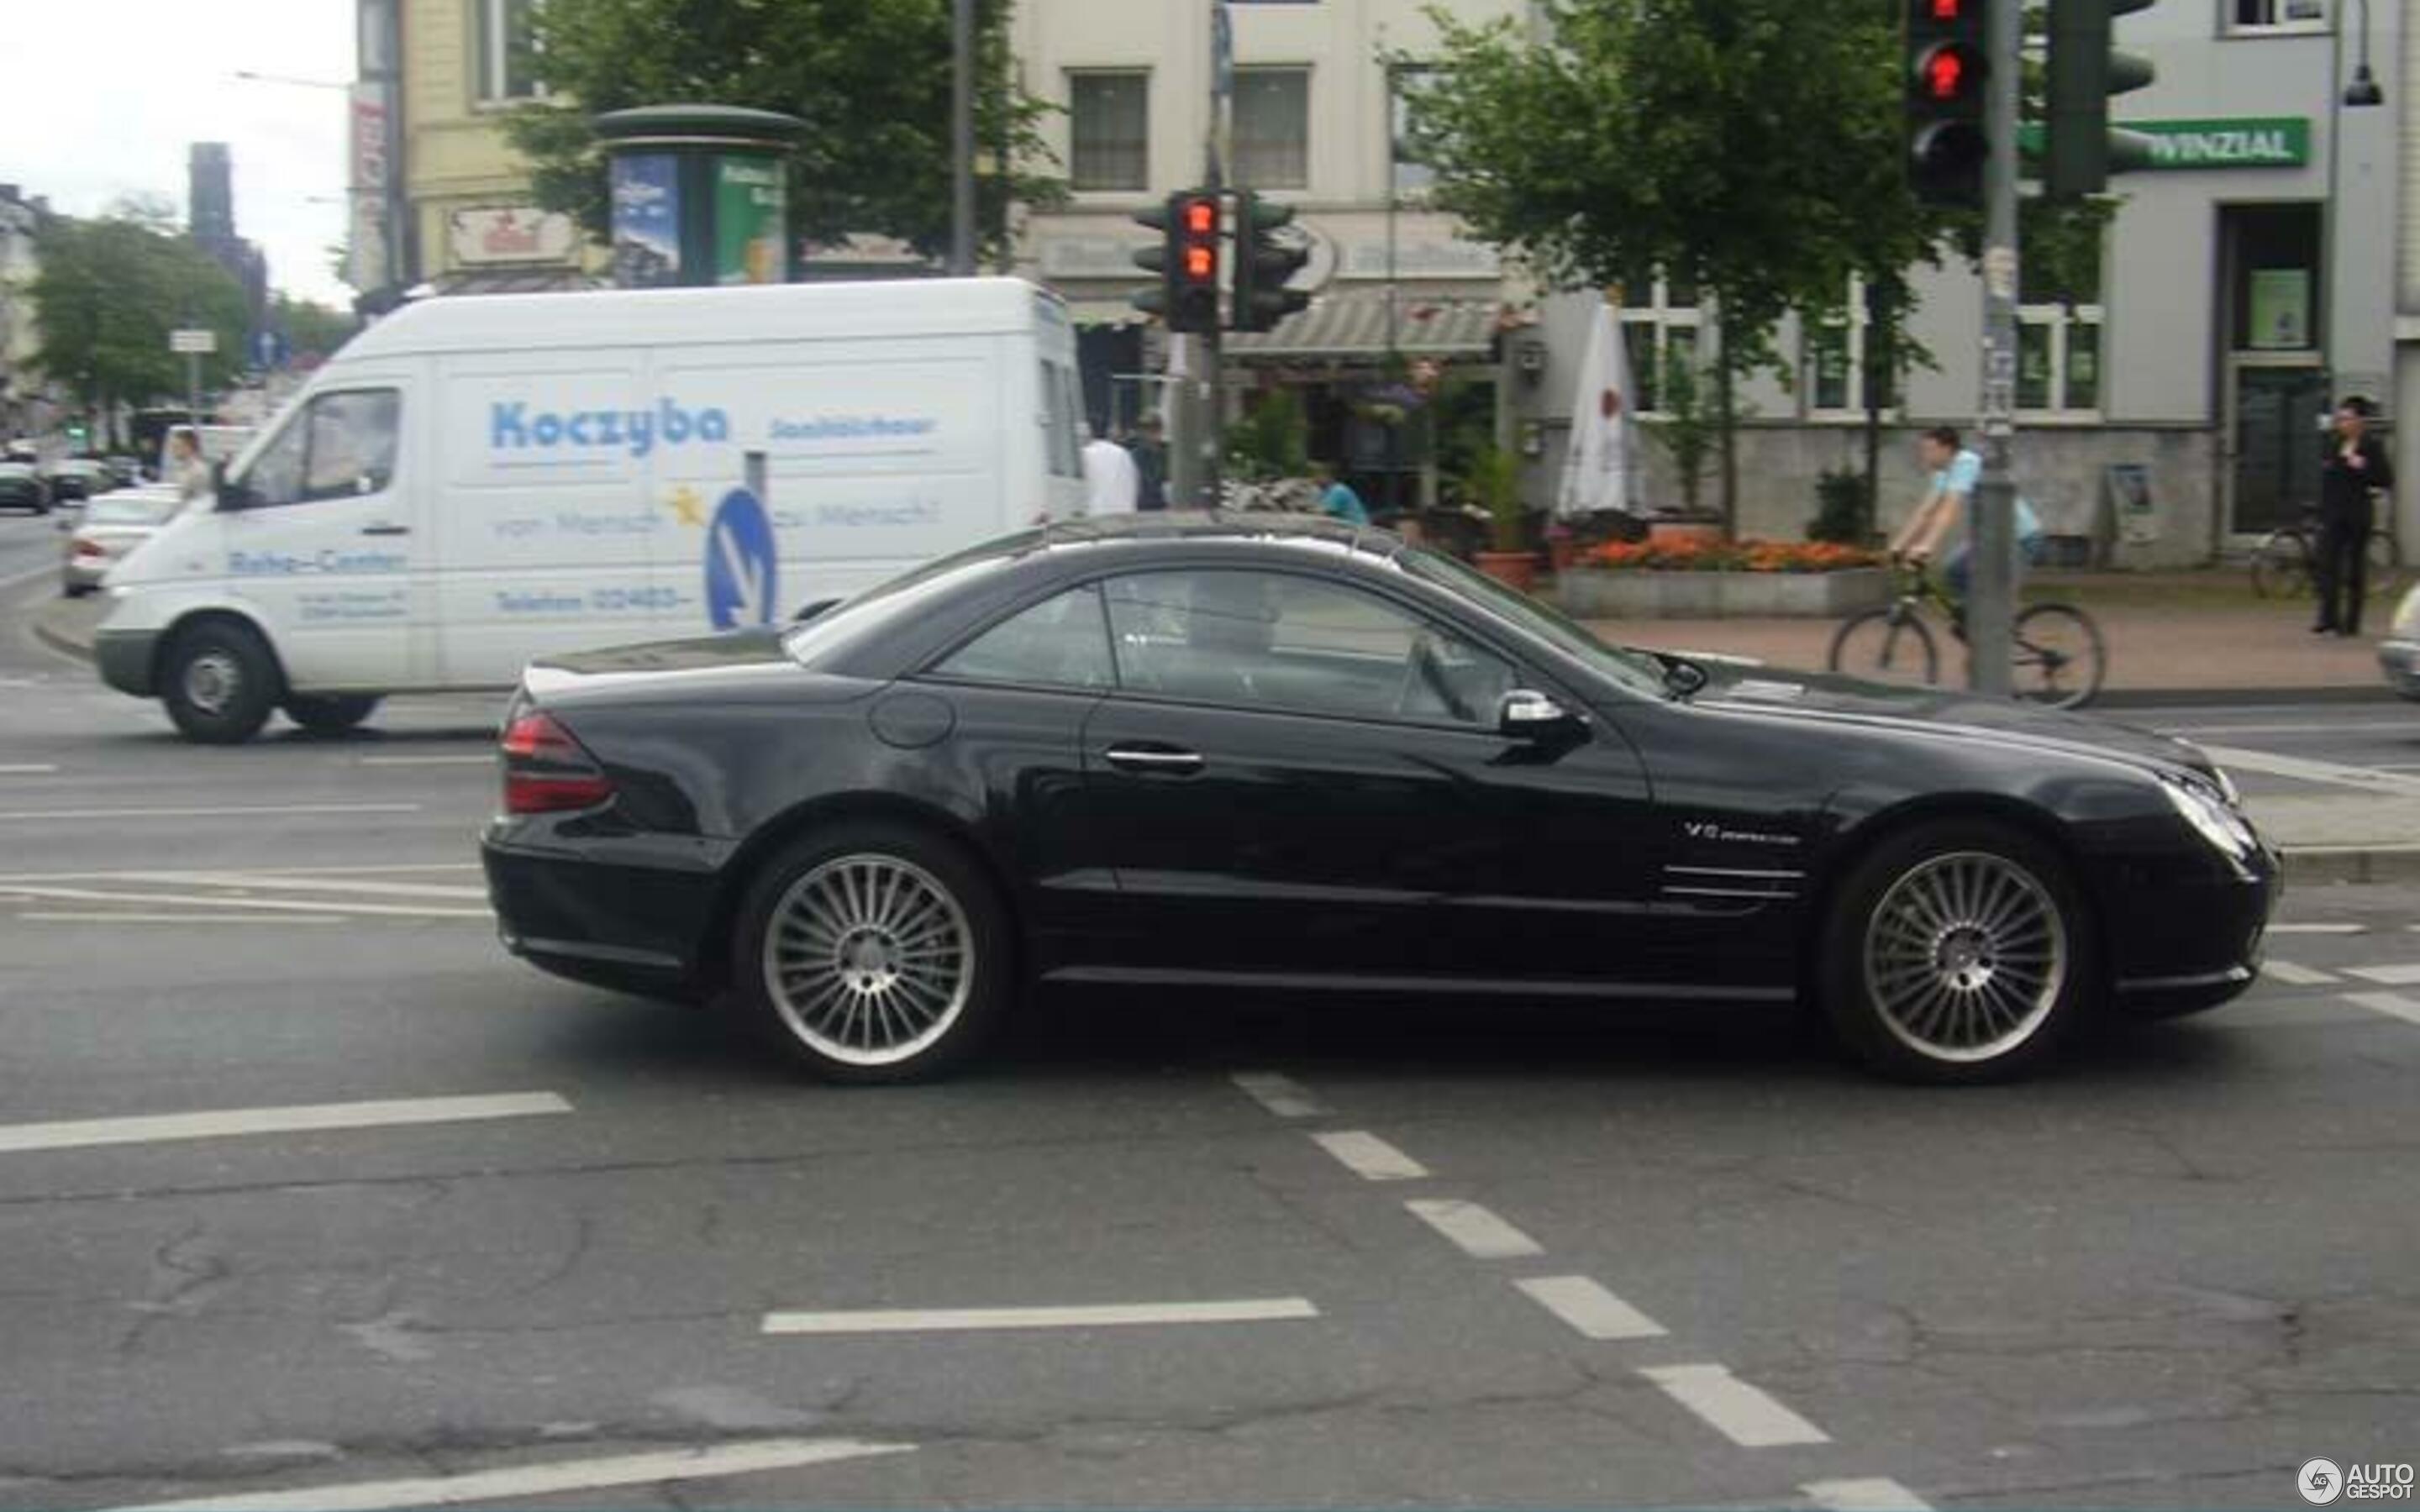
{"points": [[1222, 90], [962, 141], [1992, 531]]}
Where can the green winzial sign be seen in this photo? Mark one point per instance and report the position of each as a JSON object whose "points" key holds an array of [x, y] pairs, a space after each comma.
{"points": [[2249, 142]]}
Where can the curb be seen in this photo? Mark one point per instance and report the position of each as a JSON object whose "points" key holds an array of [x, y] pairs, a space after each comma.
{"points": [[60, 640], [2352, 865], [2185, 698]]}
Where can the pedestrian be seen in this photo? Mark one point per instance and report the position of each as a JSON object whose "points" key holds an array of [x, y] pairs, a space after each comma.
{"points": [[1150, 451], [2353, 473], [1336, 497], [1112, 483], [1952, 473], [186, 468]]}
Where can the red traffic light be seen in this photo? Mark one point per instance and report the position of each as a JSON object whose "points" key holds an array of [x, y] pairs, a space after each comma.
{"points": [[1950, 74], [1198, 223], [1201, 217], [1945, 73], [1947, 10]]}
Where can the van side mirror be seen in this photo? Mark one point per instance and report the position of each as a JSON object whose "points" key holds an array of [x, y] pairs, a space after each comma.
{"points": [[230, 495], [1524, 713]]}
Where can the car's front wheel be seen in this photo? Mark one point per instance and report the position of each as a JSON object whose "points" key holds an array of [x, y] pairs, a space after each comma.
{"points": [[874, 952], [1958, 951], [221, 683]]}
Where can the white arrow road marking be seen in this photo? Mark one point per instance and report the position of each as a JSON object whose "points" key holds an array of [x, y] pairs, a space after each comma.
{"points": [[562, 1476]]}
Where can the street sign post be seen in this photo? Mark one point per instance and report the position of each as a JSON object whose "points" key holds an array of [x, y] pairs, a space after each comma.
{"points": [[195, 344]]}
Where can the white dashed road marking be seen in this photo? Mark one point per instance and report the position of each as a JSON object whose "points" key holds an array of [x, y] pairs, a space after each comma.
{"points": [[1370, 1157], [1596, 1313], [152, 1128], [483, 759], [1281, 1095], [2336, 773], [1875, 1495], [1116, 1315], [179, 918], [276, 882], [26, 769], [1473, 1230], [2393, 1005], [2394, 976], [562, 1477], [2319, 929], [2294, 976], [204, 900], [1741, 1412], [231, 811]]}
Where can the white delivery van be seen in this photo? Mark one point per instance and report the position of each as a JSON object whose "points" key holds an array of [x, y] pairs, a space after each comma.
{"points": [[475, 481]]}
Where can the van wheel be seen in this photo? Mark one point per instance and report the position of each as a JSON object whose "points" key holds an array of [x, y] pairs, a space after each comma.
{"points": [[331, 714], [221, 683]]}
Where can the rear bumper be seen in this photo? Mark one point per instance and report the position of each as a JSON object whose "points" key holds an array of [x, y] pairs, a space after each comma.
{"points": [[638, 928], [125, 659]]}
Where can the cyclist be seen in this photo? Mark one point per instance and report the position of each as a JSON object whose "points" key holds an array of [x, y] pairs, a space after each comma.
{"points": [[1953, 472]]}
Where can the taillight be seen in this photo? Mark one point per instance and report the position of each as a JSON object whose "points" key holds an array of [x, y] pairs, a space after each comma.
{"points": [[546, 771], [87, 546]]}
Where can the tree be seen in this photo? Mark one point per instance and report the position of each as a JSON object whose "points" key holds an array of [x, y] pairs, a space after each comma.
{"points": [[108, 292], [871, 78], [312, 328]]}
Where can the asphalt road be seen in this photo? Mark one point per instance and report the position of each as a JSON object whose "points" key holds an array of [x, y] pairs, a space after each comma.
{"points": [[305, 1188]]}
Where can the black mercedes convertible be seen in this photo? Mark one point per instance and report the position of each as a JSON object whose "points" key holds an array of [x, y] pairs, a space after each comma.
{"points": [[1257, 752]]}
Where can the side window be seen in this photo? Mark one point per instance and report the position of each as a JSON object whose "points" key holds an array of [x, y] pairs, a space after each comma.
{"points": [[1059, 642], [342, 445], [1303, 645]]}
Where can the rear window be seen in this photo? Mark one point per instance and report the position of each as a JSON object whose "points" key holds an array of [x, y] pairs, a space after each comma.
{"points": [[129, 511], [817, 643]]}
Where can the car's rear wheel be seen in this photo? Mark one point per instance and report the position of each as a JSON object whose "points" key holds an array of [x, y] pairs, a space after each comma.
{"points": [[221, 683], [873, 953], [330, 713], [1958, 951]]}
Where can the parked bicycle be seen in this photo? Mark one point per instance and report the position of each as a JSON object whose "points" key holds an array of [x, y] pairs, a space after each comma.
{"points": [[2057, 658], [2286, 563]]}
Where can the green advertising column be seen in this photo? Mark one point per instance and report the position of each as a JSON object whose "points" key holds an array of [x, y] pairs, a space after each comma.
{"points": [[700, 194]]}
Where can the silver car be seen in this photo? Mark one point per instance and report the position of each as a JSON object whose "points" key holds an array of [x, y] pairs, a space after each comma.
{"points": [[113, 525]]}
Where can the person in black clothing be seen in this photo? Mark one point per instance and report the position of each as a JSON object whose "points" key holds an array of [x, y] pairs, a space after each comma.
{"points": [[1150, 451], [2355, 467]]}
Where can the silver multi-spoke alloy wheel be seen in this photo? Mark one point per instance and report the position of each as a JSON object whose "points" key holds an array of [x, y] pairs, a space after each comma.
{"points": [[213, 680], [869, 960], [1965, 957]]}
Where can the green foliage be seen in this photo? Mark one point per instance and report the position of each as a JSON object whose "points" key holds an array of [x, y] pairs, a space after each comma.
{"points": [[1840, 508], [1273, 439], [1495, 482], [108, 292], [870, 77], [1689, 429], [312, 328]]}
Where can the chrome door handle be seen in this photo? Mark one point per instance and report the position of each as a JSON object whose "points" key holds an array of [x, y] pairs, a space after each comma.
{"points": [[1140, 759], [386, 530]]}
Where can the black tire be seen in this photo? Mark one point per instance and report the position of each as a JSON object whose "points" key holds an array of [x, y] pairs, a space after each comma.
{"points": [[2060, 658], [2281, 566], [220, 683], [1886, 645], [330, 713], [2030, 982], [944, 967]]}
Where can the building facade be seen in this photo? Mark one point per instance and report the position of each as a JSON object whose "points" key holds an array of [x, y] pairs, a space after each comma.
{"points": [[1316, 104], [25, 409]]}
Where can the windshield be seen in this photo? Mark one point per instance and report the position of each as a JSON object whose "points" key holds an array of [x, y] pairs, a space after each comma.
{"points": [[1636, 671], [899, 599]]}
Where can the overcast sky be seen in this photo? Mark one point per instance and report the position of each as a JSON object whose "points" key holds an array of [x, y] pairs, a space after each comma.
{"points": [[100, 99]]}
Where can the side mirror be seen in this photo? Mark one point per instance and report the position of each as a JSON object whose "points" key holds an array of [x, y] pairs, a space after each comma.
{"points": [[1526, 714], [230, 495], [812, 610]]}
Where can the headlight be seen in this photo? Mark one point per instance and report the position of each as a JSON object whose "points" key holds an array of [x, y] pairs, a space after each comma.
{"points": [[2210, 817], [2407, 616]]}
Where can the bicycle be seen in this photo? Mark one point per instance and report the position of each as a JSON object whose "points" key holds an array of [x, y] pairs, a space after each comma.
{"points": [[2285, 564], [2058, 656]]}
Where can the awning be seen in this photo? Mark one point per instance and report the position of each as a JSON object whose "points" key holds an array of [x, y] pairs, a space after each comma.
{"points": [[1355, 326]]}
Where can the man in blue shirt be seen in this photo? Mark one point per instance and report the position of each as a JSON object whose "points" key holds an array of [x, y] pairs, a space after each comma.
{"points": [[1955, 472], [1336, 498]]}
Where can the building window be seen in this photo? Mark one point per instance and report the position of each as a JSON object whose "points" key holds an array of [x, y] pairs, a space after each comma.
{"points": [[507, 51], [2259, 16], [1411, 177], [1109, 129], [1838, 361], [2058, 345], [1660, 325], [1273, 128]]}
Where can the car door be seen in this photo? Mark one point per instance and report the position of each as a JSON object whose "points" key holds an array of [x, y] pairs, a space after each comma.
{"points": [[320, 537], [1298, 776]]}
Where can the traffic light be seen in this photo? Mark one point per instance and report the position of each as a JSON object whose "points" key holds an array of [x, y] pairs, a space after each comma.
{"points": [[2080, 152], [1186, 261], [1948, 63], [1263, 264]]}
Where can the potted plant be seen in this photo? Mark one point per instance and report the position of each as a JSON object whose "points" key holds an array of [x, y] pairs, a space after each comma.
{"points": [[1495, 482]]}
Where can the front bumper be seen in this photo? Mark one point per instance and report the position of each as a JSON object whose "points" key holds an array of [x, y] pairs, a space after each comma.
{"points": [[2189, 943], [126, 660], [2401, 661]]}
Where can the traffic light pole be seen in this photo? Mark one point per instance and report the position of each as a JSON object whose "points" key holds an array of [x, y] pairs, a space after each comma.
{"points": [[1214, 378], [1991, 532]]}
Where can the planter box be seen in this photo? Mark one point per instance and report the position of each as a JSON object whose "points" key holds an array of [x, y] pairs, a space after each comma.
{"points": [[1596, 594]]}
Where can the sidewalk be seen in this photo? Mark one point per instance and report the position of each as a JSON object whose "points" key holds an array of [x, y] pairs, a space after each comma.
{"points": [[2172, 639]]}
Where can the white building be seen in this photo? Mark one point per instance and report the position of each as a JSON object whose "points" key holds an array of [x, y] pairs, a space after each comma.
{"points": [[23, 408]]}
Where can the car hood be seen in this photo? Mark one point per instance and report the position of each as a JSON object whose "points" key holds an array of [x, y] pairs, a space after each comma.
{"points": [[741, 665], [1774, 694]]}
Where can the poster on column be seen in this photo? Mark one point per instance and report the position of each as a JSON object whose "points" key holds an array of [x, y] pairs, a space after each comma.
{"points": [[751, 221], [646, 220]]}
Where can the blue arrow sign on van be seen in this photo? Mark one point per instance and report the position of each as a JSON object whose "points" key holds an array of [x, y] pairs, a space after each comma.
{"points": [[739, 564]]}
